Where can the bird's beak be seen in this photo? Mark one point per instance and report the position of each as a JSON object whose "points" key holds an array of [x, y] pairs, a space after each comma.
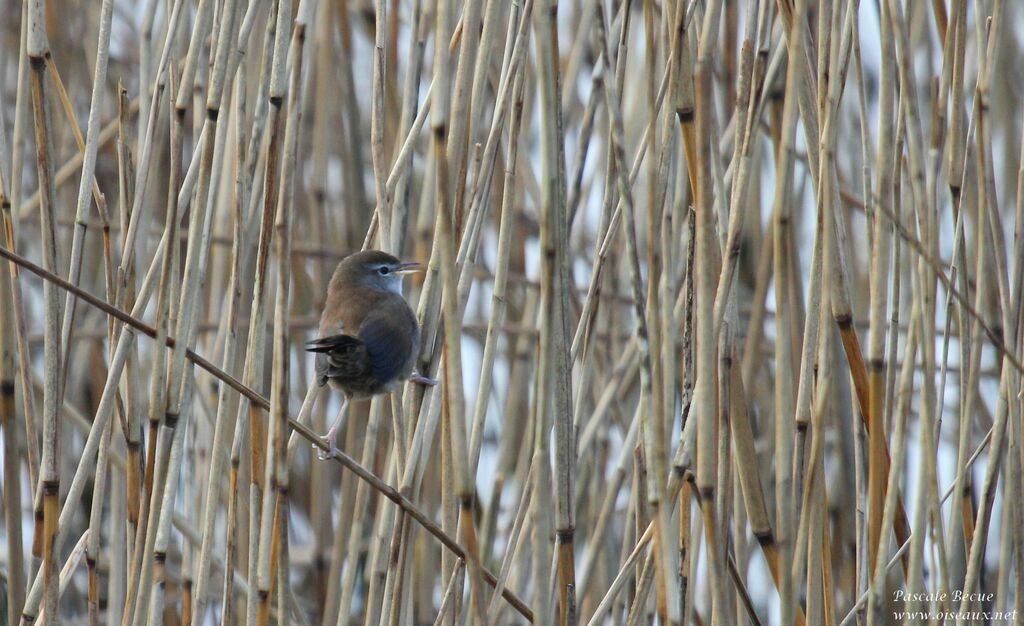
{"points": [[410, 267]]}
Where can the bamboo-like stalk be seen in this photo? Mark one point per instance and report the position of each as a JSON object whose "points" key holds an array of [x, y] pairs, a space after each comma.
{"points": [[17, 312], [158, 379], [453, 403], [377, 120], [15, 596], [37, 49], [87, 183], [362, 495], [95, 521], [877, 471], [260, 506], [554, 349], [442, 266], [987, 223], [274, 526], [655, 429], [783, 405], [706, 411]]}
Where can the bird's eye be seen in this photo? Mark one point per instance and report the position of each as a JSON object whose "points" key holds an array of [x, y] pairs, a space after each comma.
{"points": [[384, 270]]}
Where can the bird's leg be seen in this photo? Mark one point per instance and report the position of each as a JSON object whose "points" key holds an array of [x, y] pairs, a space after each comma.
{"points": [[420, 379], [331, 438]]}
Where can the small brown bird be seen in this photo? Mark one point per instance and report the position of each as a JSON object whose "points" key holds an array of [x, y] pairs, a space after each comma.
{"points": [[369, 336]]}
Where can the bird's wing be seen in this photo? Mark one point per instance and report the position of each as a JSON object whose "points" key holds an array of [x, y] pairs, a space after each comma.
{"points": [[339, 356], [388, 340]]}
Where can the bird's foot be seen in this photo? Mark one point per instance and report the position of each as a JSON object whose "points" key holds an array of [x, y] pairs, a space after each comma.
{"points": [[330, 440], [420, 379], [328, 454]]}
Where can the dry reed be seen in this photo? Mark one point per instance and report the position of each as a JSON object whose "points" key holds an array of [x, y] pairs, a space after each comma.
{"points": [[726, 300]]}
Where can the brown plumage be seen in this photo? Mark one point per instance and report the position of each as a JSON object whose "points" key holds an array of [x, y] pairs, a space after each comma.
{"points": [[369, 337]]}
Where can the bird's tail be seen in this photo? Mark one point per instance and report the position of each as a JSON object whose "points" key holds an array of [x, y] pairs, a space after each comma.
{"points": [[331, 343]]}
